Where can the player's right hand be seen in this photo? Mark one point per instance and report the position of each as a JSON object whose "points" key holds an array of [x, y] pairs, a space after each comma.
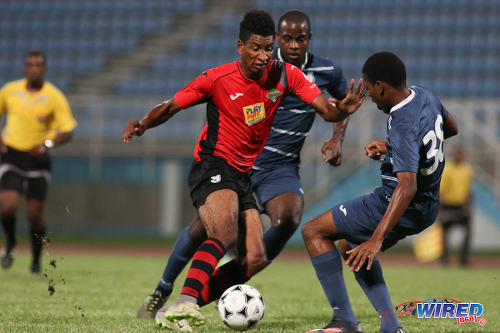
{"points": [[133, 127], [375, 150]]}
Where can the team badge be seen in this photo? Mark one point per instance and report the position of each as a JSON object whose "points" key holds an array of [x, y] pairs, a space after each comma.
{"points": [[254, 113], [274, 94]]}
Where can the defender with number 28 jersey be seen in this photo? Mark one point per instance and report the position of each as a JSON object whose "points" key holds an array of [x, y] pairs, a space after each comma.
{"points": [[240, 110]]}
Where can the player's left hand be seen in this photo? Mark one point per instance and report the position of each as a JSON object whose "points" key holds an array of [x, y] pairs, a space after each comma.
{"points": [[354, 98], [363, 252], [335, 157]]}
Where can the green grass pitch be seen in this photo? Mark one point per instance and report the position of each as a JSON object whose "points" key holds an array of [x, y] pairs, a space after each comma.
{"points": [[102, 294]]}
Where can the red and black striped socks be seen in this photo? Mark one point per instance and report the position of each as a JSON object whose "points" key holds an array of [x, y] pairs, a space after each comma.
{"points": [[204, 262]]}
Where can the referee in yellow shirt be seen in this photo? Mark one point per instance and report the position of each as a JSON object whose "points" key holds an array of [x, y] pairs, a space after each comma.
{"points": [[456, 196], [38, 119]]}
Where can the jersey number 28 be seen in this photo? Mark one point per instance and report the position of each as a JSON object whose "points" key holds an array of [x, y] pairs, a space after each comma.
{"points": [[435, 151]]}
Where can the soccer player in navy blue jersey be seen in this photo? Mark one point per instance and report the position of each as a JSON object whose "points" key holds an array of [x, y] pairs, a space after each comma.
{"points": [[405, 204], [275, 174]]}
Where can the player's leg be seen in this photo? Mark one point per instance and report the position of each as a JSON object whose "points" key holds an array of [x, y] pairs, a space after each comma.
{"points": [[280, 193], [446, 224], [373, 284], [285, 211], [464, 251], [9, 201], [250, 258], [319, 235], [35, 198], [37, 231], [185, 246], [219, 214]]}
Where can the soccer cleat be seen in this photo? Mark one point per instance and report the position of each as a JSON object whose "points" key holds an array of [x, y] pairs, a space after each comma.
{"points": [[172, 314], [397, 330], [181, 325], [7, 260], [339, 326], [8, 256], [151, 305], [35, 267]]}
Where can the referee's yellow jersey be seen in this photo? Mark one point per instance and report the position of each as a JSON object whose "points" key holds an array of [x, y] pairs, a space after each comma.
{"points": [[32, 117], [456, 183]]}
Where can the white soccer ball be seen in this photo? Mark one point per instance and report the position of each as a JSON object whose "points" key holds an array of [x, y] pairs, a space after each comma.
{"points": [[241, 307]]}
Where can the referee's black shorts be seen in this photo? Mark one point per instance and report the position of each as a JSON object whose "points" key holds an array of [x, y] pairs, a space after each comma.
{"points": [[24, 173], [213, 173]]}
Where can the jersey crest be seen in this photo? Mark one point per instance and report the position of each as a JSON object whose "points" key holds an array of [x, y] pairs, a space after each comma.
{"points": [[254, 113], [274, 94]]}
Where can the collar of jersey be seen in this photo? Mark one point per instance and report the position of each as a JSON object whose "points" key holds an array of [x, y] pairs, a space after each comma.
{"points": [[404, 101], [301, 67]]}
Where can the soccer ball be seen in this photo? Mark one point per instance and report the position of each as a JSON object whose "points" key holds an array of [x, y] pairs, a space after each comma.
{"points": [[241, 307]]}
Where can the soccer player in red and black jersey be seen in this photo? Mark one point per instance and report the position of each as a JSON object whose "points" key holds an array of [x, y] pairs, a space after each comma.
{"points": [[242, 98]]}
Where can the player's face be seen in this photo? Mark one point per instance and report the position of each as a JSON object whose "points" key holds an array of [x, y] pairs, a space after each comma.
{"points": [[293, 39], [34, 68], [255, 55], [376, 93]]}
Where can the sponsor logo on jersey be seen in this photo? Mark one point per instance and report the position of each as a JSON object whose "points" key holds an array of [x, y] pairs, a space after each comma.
{"points": [[274, 94], [254, 113], [235, 96], [343, 210]]}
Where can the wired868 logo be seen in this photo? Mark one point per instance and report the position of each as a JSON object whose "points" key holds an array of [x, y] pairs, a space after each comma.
{"points": [[443, 308]]}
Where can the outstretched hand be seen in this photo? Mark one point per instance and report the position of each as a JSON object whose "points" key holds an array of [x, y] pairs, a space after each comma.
{"points": [[335, 157], [375, 150], [363, 252], [354, 98], [133, 127]]}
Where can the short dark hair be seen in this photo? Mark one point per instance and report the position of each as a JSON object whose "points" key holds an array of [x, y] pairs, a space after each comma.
{"points": [[295, 16], [257, 22], [36, 54], [386, 67]]}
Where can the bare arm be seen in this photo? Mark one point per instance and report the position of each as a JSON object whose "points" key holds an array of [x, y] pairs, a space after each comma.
{"points": [[342, 108], [450, 127], [157, 116], [335, 143], [401, 198]]}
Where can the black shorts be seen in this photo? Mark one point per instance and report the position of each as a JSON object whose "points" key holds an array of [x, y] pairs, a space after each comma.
{"points": [[24, 173], [214, 173]]}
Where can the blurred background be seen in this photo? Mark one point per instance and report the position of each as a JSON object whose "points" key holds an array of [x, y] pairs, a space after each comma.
{"points": [[116, 59]]}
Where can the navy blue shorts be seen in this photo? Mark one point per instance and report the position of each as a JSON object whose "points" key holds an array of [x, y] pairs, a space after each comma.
{"points": [[268, 183], [356, 219]]}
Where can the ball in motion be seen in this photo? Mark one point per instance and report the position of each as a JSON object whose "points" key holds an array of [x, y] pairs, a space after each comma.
{"points": [[241, 307]]}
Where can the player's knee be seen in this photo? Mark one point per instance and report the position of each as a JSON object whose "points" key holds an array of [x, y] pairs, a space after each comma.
{"points": [[309, 231], [287, 222]]}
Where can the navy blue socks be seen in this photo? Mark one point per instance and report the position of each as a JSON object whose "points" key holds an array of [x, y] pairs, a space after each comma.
{"points": [[328, 268], [373, 284]]}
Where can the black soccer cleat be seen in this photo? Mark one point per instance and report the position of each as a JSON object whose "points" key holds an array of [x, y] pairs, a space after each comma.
{"points": [[151, 305], [339, 326], [8, 256], [397, 330], [7, 260]]}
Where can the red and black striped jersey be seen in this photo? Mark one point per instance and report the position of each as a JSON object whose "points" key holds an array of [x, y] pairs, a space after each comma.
{"points": [[240, 110]]}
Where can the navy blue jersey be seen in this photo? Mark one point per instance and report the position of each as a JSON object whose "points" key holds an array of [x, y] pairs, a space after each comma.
{"points": [[415, 144], [294, 118]]}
